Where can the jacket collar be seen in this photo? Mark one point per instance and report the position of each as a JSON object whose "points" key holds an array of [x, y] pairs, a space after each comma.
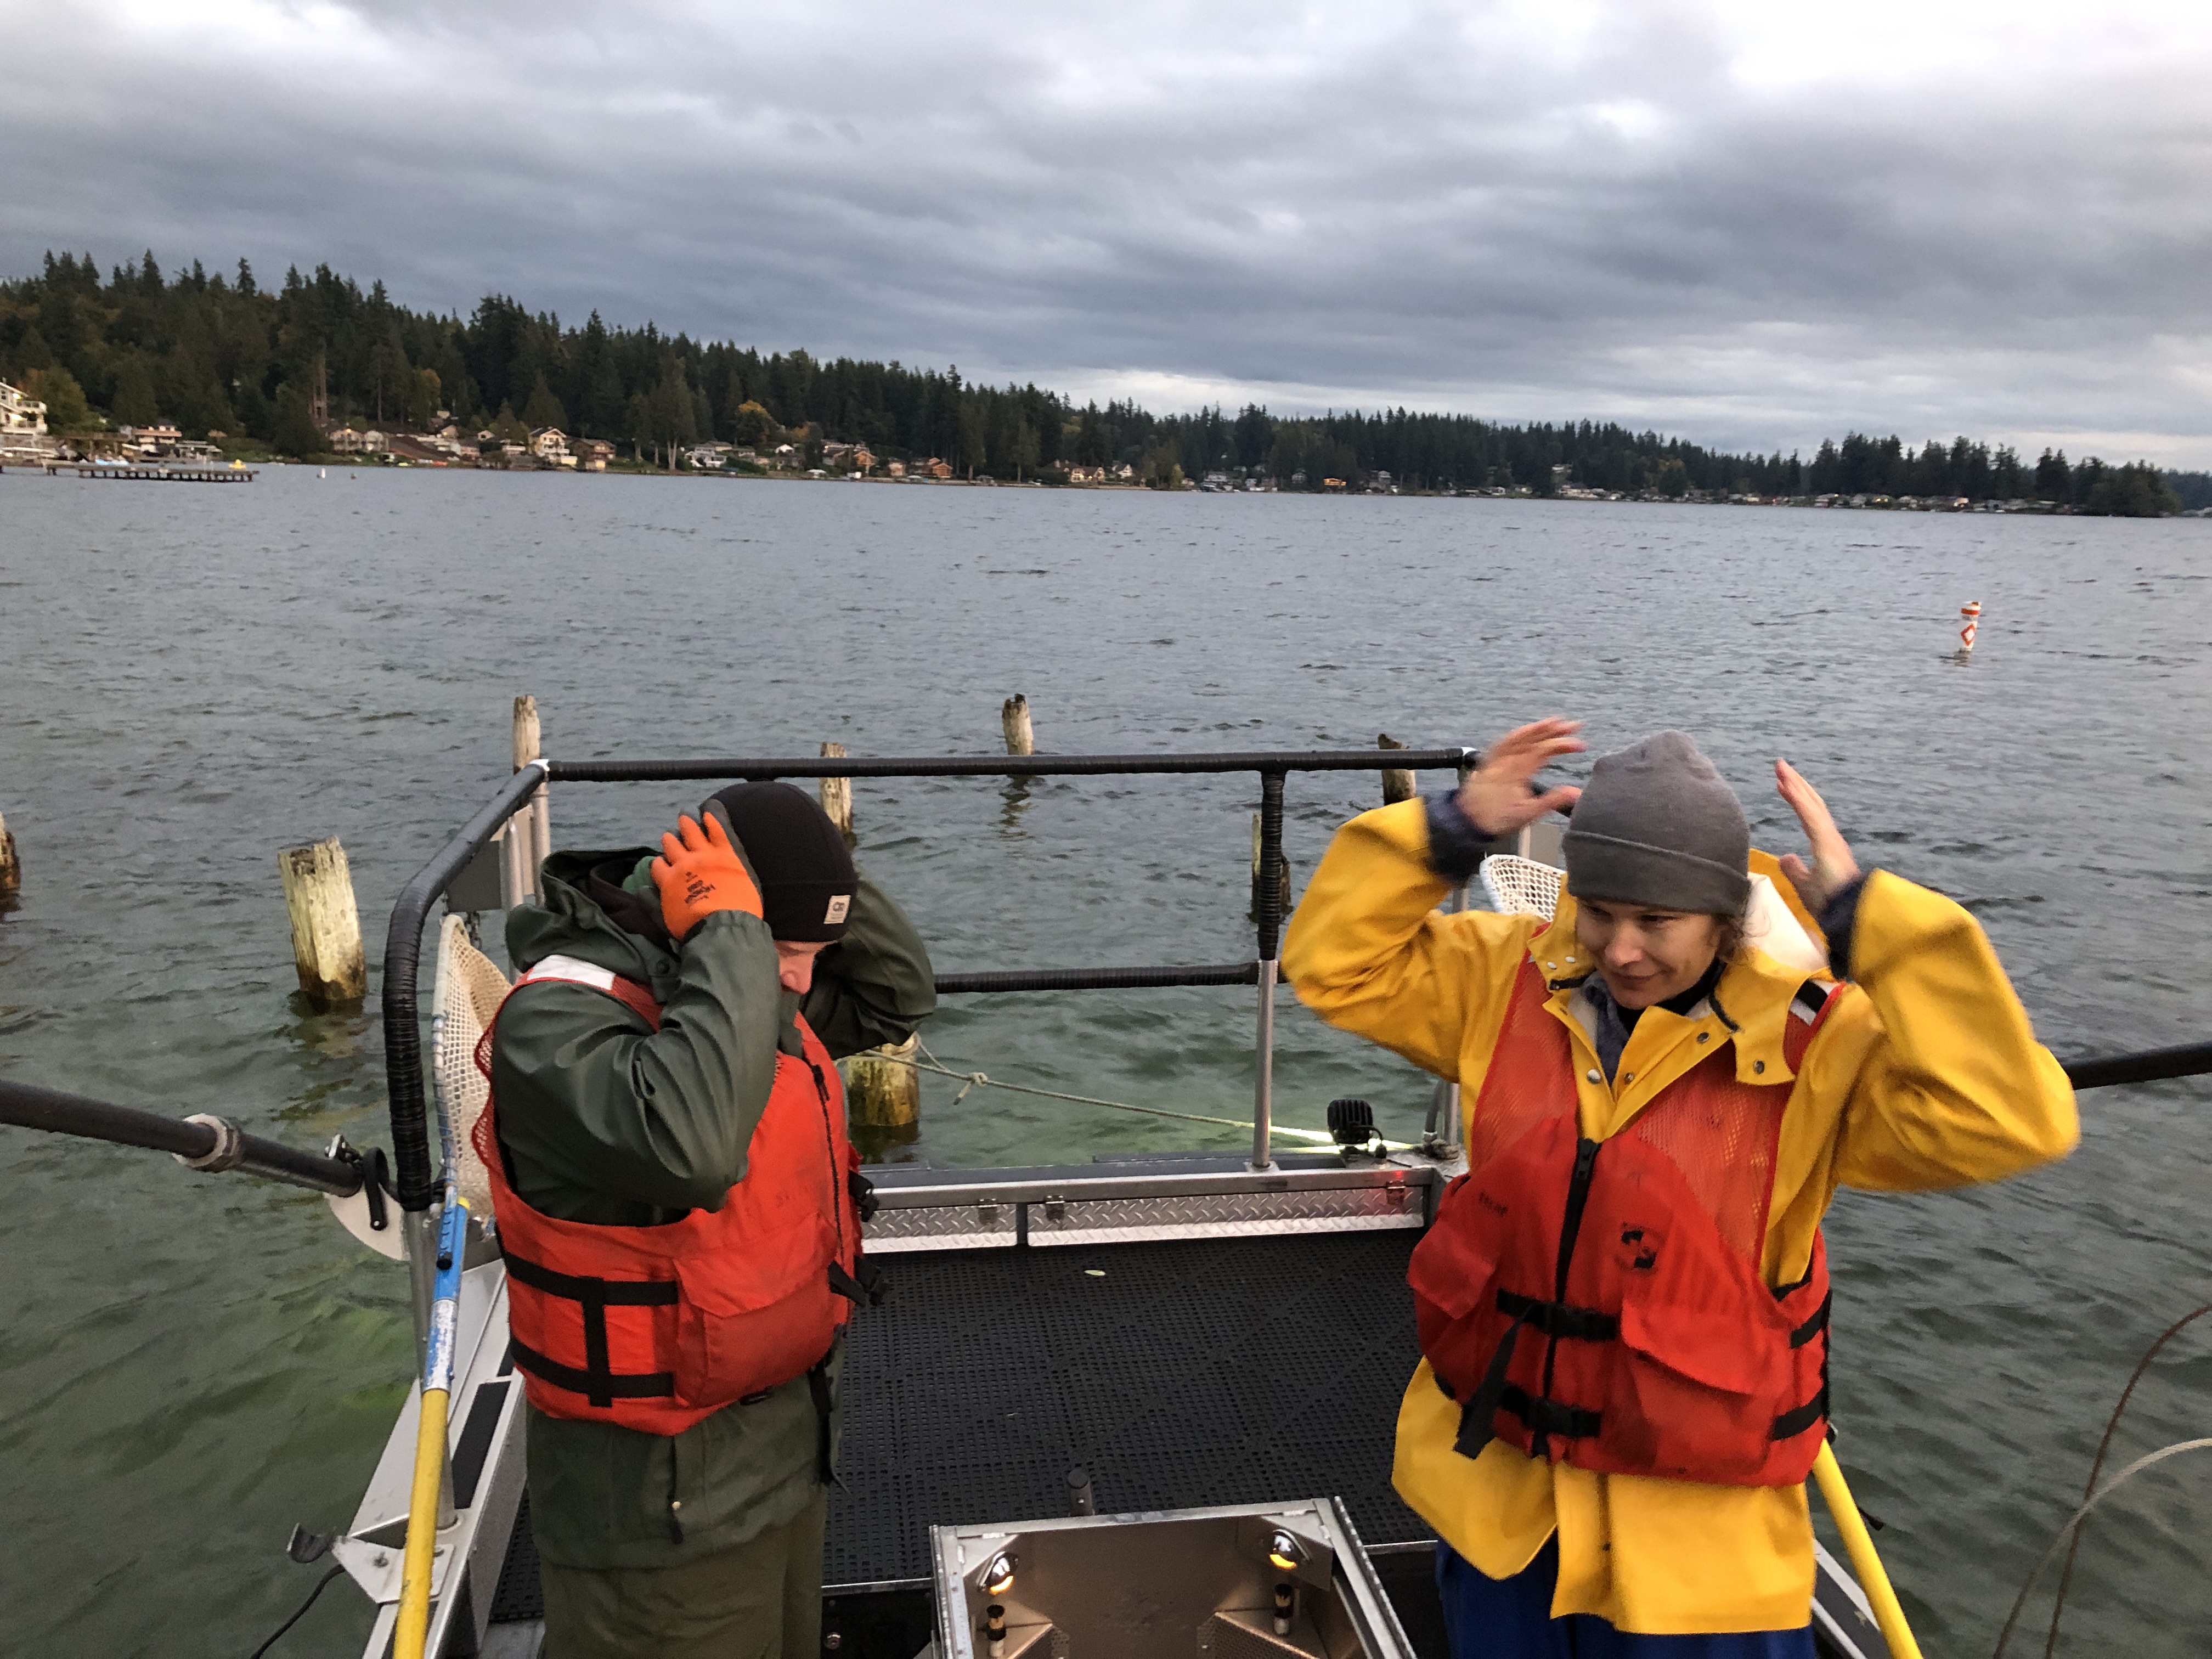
{"points": [[1752, 996]]}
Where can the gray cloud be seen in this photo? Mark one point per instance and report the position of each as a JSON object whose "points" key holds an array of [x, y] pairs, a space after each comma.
{"points": [[1699, 215]]}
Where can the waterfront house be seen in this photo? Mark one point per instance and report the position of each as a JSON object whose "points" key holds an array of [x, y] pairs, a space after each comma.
{"points": [[592, 454], [22, 425], [550, 443], [150, 440], [347, 442]]}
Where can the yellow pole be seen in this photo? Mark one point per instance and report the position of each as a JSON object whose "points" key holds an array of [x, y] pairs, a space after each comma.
{"points": [[1865, 1563], [410, 1635], [414, 1627]]}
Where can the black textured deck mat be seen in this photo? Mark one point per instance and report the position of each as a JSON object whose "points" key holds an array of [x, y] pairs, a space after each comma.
{"points": [[519, 1595], [1210, 1371]]}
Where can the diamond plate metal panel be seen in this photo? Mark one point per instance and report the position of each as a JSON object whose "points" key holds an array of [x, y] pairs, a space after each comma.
{"points": [[1224, 1215], [940, 1227]]}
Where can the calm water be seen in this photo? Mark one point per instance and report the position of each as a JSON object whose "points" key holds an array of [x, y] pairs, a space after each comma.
{"points": [[192, 679]]}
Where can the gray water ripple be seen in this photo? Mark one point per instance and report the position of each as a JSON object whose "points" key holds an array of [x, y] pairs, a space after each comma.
{"points": [[191, 680]]}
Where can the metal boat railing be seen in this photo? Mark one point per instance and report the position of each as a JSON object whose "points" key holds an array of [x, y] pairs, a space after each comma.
{"points": [[402, 1038]]}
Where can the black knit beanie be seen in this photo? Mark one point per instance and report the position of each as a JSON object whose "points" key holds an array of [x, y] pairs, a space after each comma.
{"points": [[804, 870]]}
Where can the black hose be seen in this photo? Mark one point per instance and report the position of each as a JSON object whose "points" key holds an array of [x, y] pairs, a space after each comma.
{"points": [[30, 1107], [321, 1585]]}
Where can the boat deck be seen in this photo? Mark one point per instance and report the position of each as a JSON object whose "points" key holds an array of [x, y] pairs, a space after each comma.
{"points": [[1178, 1373]]}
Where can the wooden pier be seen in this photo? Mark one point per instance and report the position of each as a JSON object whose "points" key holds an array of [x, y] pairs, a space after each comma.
{"points": [[155, 470]]}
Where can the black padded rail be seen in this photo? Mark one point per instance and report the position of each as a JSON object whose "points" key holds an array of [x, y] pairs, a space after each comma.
{"points": [[1011, 766], [1100, 979], [1211, 1371]]}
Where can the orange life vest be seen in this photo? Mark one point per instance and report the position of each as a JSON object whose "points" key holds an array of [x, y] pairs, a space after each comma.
{"points": [[1599, 1302], [655, 1329]]}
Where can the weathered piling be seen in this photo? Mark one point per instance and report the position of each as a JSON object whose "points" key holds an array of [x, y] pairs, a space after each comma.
{"points": [[1397, 782], [837, 795], [326, 928], [1014, 716], [882, 1094], [11, 862], [529, 833]]}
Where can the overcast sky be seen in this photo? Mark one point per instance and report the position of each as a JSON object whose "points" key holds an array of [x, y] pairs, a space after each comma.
{"points": [[1750, 221]]}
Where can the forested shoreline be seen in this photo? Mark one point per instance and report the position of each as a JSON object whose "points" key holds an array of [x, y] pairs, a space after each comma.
{"points": [[220, 354]]}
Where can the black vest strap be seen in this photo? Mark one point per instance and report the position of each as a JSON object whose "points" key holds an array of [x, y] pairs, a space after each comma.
{"points": [[598, 1381], [602, 1388], [865, 1283], [1559, 1318], [1549, 1416], [1813, 1326], [1792, 1424]]}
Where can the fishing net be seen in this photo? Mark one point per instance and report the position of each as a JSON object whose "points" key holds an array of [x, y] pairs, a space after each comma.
{"points": [[1521, 887], [469, 991]]}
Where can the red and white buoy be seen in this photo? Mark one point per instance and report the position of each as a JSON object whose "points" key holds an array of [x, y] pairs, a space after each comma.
{"points": [[1972, 611]]}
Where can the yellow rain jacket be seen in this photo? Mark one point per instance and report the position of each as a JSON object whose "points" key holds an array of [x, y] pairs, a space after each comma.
{"points": [[1925, 1075]]}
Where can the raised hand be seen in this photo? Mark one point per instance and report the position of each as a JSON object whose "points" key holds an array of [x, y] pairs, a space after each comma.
{"points": [[1834, 867], [1499, 796]]}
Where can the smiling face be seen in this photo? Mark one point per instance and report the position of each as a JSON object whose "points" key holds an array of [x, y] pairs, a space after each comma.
{"points": [[1645, 954]]}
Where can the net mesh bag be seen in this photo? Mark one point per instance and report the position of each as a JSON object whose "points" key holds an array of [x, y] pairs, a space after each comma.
{"points": [[469, 991], [1521, 887]]}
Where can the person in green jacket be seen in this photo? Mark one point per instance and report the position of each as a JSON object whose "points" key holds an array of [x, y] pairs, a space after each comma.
{"points": [[706, 1544]]}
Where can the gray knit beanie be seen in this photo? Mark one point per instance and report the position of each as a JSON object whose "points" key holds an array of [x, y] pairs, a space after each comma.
{"points": [[1656, 825]]}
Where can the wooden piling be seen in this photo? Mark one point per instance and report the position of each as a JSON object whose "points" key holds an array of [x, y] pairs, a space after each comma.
{"points": [[1397, 782], [1014, 716], [531, 828], [11, 862], [326, 928], [837, 794], [883, 1095]]}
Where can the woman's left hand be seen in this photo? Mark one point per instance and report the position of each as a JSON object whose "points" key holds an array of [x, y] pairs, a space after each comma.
{"points": [[1833, 868]]}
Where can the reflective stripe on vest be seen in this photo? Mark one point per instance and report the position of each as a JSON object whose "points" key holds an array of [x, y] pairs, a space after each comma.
{"points": [[1599, 1302], [655, 1329]]}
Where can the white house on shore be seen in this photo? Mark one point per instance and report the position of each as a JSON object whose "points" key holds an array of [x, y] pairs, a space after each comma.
{"points": [[22, 424]]}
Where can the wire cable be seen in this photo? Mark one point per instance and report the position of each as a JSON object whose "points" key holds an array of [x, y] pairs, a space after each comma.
{"points": [[982, 1080], [2082, 1514], [2074, 1550], [321, 1585]]}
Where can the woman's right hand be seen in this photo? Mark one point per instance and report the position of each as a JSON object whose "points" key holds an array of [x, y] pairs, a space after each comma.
{"points": [[1498, 797]]}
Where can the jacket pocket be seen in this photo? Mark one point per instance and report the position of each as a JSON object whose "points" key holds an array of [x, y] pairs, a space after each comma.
{"points": [[1694, 1398], [754, 1314]]}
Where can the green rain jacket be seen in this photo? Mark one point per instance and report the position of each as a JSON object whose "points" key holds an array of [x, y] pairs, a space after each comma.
{"points": [[605, 1122]]}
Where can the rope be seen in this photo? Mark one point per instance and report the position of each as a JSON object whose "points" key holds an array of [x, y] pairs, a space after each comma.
{"points": [[2081, 1514], [969, 1080], [2096, 1468]]}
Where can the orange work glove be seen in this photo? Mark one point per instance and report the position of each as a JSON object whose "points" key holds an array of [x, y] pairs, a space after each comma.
{"points": [[700, 874]]}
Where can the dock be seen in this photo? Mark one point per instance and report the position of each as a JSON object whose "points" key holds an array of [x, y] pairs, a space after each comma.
{"points": [[155, 470]]}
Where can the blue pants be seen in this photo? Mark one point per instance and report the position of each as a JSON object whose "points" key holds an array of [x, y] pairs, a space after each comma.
{"points": [[1511, 1619]]}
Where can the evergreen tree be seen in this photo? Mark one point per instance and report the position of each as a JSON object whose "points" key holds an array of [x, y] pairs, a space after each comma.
{"points": [[67, 411], [2054, 479], [132, 402], [544, 409], [296, 434]]}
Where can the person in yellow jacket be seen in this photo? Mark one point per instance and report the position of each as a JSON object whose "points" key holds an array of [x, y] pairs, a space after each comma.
{"points": [[1612, 1458]]}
